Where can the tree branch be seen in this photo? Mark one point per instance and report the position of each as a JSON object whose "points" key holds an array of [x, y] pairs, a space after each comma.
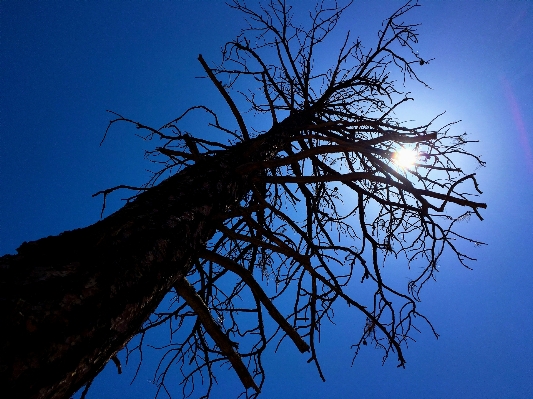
{"points": [[189, 294]]}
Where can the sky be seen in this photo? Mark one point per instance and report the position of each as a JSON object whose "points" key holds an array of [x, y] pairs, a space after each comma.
{"points": [[64, 63]]}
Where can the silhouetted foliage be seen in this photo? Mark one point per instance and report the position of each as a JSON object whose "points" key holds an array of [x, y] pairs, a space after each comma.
{"points": [[317, 203]]}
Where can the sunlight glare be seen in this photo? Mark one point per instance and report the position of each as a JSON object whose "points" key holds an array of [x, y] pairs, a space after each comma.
{"points": [[405, 157]]}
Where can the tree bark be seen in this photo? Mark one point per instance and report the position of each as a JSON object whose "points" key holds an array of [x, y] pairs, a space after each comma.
{"points": [[70, 302]]}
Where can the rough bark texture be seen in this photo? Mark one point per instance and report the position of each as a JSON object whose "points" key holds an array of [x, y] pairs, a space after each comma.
{"points": [[70, 302]]}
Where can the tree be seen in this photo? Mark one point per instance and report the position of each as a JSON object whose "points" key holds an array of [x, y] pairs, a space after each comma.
{"points": [[298, 211]]}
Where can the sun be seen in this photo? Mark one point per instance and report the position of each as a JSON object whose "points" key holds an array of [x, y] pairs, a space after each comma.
{"points": [[405, 157]]}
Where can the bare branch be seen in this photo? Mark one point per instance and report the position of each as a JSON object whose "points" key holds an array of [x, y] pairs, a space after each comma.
{"points": [[187, 292]]}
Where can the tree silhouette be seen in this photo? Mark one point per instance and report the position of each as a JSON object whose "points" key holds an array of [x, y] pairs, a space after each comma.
{"points": [[269, 224]]}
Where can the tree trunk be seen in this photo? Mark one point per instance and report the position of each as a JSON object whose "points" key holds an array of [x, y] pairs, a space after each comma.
{"points": [[70, 302]]}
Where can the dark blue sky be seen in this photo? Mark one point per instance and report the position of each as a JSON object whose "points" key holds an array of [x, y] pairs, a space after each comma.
{"points": [[63, 63]]}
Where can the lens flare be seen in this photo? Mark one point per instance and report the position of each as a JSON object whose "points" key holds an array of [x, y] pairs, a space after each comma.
{"points": [[405, 157]]}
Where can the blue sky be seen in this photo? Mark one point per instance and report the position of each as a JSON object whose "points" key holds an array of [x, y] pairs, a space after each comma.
{"points": [[63, 63]]}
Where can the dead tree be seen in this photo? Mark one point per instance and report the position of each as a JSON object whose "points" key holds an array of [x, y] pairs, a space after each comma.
{"points": [[293, 214]]}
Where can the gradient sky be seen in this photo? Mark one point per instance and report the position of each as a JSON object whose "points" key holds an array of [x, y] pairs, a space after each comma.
{"points": [[63, 63]]}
